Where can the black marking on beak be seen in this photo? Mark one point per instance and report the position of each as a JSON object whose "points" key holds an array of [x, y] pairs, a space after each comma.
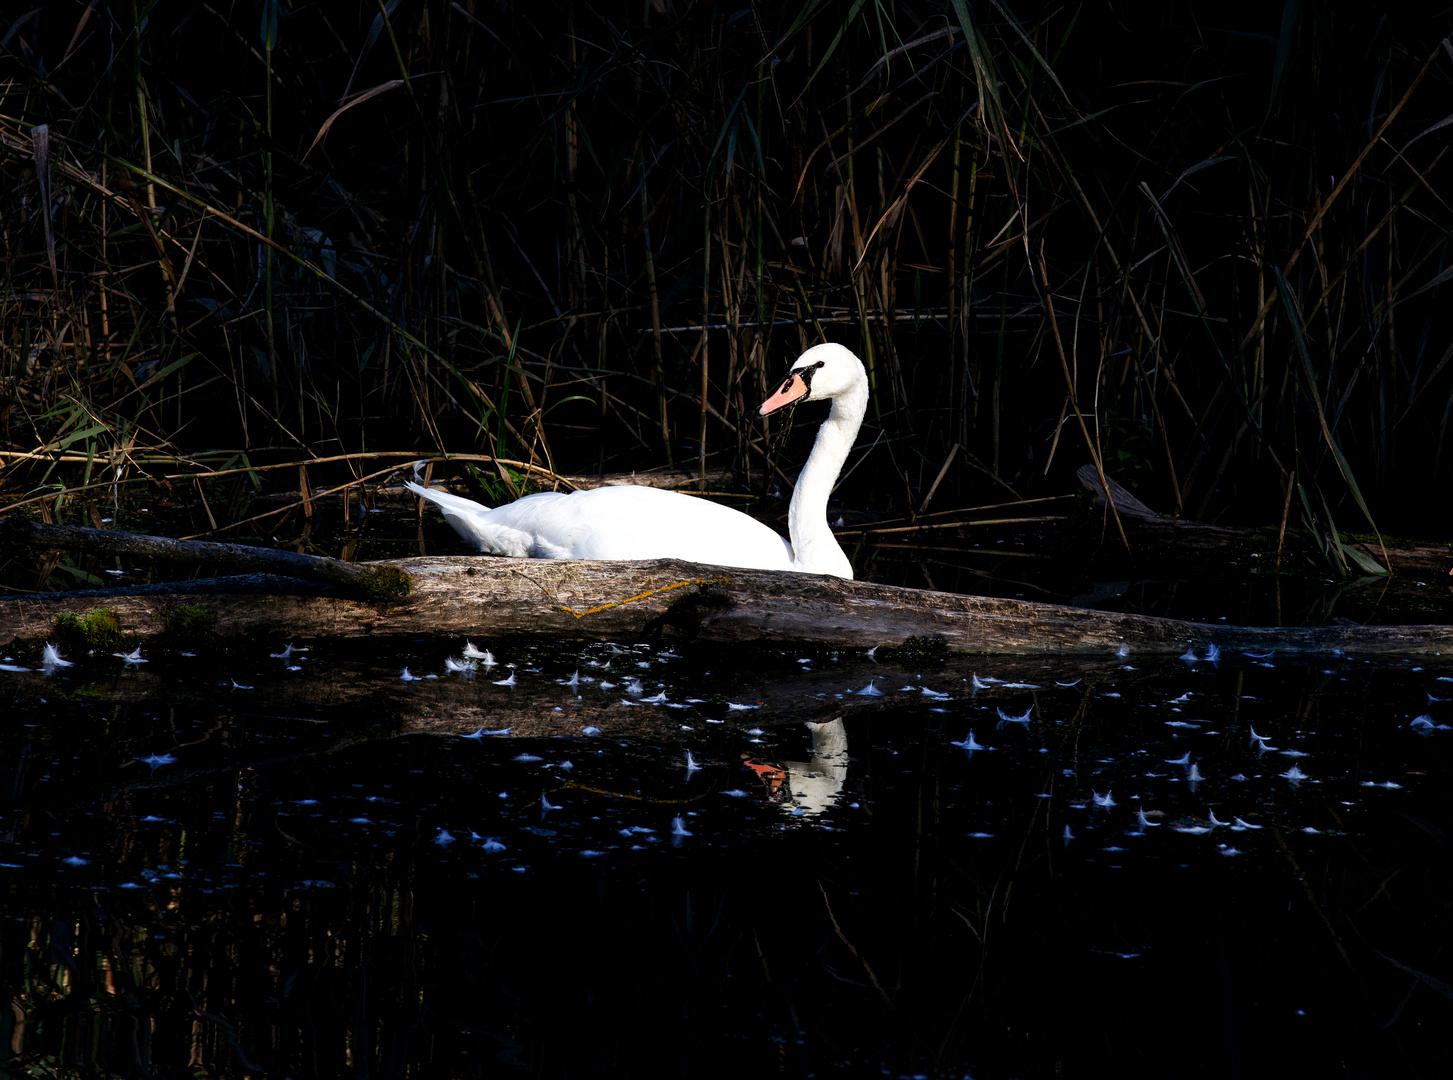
{"points": [[805, 374]]}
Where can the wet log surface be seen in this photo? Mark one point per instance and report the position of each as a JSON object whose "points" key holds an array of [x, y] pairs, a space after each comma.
{"points": [[674, 601]]}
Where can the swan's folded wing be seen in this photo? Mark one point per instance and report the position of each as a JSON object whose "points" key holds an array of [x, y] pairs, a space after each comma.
{"points": [[631, 522], [627, 522], [492, 539]]}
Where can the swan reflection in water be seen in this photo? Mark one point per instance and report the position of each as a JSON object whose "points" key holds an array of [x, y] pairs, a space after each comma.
{"points": [[808, 787]]}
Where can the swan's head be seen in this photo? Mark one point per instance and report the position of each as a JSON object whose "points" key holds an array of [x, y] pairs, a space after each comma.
{"points": [[821, 373]]}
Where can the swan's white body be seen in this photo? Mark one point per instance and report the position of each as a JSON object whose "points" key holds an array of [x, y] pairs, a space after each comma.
{"points": [[630, 522], [626, 522]]}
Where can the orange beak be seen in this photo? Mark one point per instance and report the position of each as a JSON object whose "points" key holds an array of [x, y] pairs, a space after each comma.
{"points": [[791, 389]]}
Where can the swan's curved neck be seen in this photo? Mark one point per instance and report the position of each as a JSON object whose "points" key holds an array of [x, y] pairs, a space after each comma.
{"points": [[814, 548]]}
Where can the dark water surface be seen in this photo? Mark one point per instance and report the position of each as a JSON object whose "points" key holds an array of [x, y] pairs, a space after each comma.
{"points": [[315, 874]]}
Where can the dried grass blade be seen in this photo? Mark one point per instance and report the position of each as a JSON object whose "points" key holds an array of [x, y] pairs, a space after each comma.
{"points": [[374, 30], [1299, 335], [358, 99], [40, 146], [76, 35]]}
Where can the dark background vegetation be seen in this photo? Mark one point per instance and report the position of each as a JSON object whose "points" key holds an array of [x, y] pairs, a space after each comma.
{"points": [[1205, 243]]}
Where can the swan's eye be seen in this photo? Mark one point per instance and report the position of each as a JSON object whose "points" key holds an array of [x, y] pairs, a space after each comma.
{"points": [[805, 374]]}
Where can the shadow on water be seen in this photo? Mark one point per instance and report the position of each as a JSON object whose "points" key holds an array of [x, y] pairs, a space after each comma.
{"points": [[304, 865]]}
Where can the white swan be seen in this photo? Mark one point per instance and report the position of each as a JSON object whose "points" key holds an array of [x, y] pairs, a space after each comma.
{"points": [[631, 522]]}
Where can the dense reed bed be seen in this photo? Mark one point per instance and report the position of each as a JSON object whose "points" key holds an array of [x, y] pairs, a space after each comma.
{"points": [[1203, 245]]}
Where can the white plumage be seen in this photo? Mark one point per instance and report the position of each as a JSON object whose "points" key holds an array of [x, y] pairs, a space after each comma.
{"points": [[627, 522], [631, 522]]}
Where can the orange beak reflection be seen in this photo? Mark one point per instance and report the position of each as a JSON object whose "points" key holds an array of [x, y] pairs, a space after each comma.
{"points": [[790, 390], [771, 776]]}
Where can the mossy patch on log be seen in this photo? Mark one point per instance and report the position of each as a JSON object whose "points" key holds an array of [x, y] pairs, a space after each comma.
{"points": [[383, 584], [189, 624], [98, 629]]}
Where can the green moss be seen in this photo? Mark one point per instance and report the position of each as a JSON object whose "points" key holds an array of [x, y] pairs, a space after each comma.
{"points": [[382, 584], [189, 624], [98, 629]]}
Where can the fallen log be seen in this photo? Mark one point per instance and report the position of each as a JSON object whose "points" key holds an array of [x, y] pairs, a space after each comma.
{"points": [[671, 600], [370, 581]]}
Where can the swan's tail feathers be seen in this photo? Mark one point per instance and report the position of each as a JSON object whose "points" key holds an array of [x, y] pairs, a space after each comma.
{"points": [[445, 500], [471, 521]]}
